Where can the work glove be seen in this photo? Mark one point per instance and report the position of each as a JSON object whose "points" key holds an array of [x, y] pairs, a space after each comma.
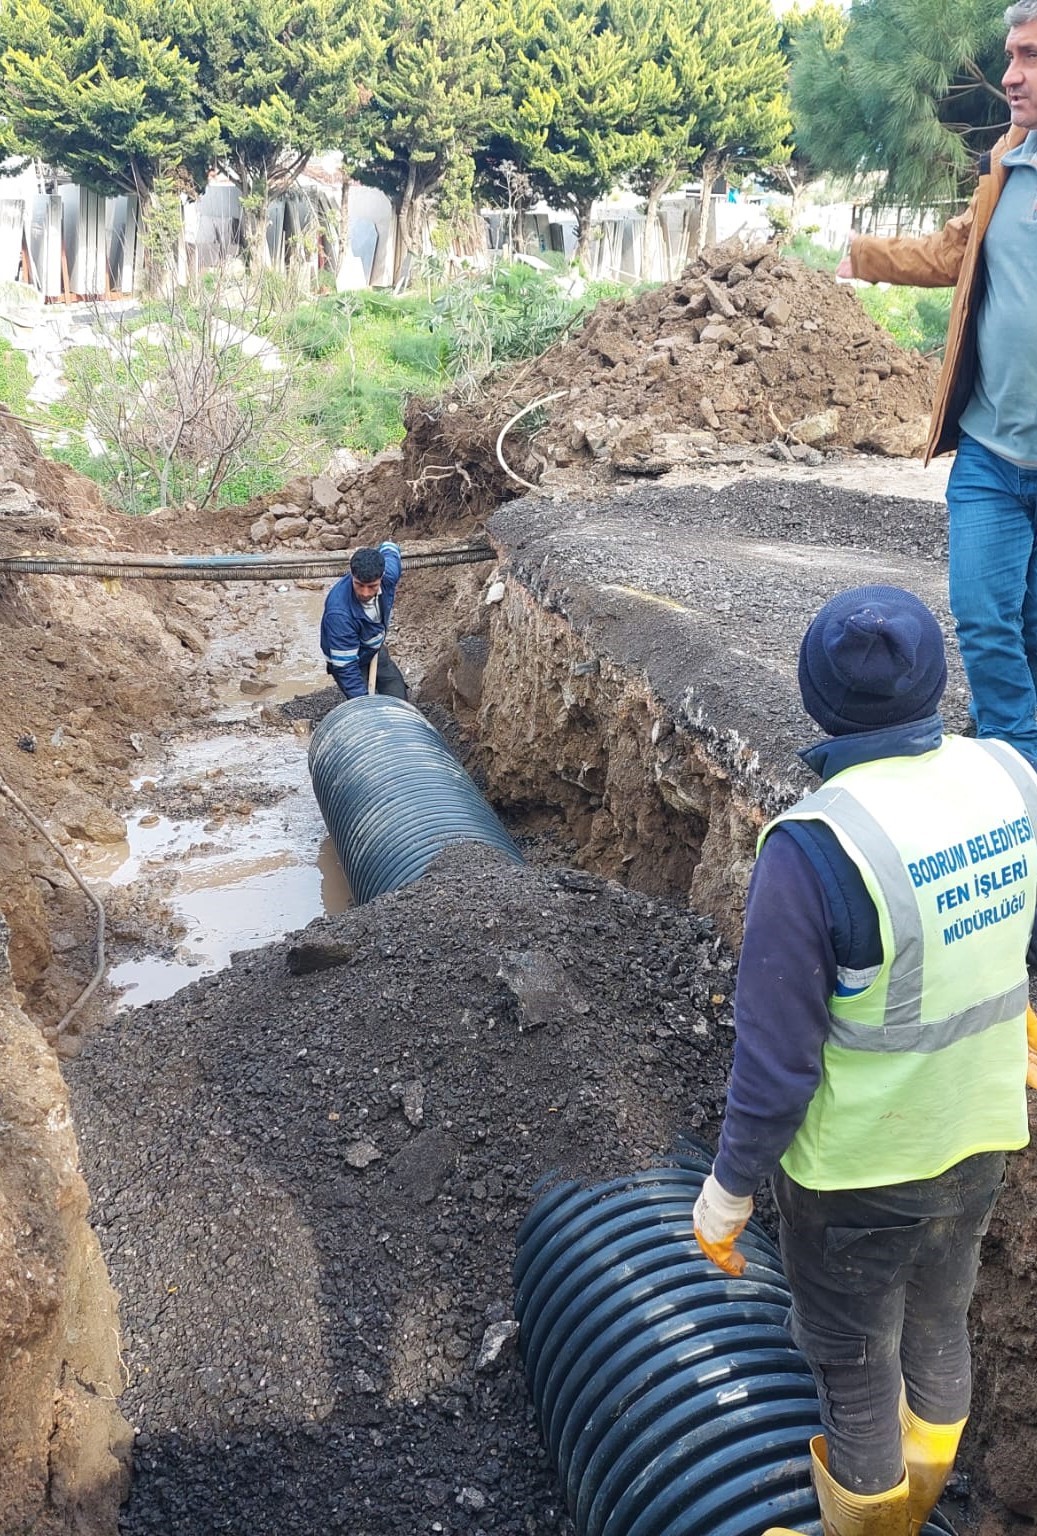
{"points": [[1031, 1041], [719, 1220]]}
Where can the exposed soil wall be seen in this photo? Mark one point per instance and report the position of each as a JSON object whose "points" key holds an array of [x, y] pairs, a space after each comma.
{"points": [[564, 737], [64, 1445]]}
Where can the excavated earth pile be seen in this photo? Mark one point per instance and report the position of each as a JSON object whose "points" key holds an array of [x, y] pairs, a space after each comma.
{"points": [[745, 348], [308, 1172], [746, 353]]}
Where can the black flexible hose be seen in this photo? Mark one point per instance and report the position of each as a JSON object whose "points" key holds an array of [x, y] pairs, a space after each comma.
{"points": [[235, 567]]}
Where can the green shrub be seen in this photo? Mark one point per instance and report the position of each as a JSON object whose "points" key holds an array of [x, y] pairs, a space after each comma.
{"points": [[420, 351], [15, 380], [802, 248], [915, 317], [317, 330], [354, 410]]}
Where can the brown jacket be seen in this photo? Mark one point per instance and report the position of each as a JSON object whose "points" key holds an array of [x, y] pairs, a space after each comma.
{"points": [[948, 258]]}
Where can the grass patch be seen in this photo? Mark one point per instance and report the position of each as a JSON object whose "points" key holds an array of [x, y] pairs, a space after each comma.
{"points": [[915, 317], [810, 253], [15, 380]]}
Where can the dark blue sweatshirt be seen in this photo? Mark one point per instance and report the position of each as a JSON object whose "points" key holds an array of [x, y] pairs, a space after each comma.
{"points": [[808, 913], [349, 637]]}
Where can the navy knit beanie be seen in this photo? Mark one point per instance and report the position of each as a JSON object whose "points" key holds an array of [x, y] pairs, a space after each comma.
{"points": [[872, 657], [367, 565]]}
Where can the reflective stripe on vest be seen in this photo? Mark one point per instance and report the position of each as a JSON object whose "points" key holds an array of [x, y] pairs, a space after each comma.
{"points": [[903, 1029], [925, 1064]]}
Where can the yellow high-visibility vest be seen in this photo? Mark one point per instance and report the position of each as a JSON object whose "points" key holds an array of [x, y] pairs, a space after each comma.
{"points": [[925, 1061]]}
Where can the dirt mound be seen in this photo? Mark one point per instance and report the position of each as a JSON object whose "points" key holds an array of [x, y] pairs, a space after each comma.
{"points": [[746, 348], [311, 1217], [37, 493]]}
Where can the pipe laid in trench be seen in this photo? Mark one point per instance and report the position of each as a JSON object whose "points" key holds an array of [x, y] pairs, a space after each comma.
{"points": [[670, 1396], [393, 795], [236, 567]]}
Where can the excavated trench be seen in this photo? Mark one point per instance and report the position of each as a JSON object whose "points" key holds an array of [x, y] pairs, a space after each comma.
{"points": [[308, 1167]]}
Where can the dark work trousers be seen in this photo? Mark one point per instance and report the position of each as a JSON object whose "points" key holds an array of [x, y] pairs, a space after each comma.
{"points": [[881, 1281], [388, 678]]}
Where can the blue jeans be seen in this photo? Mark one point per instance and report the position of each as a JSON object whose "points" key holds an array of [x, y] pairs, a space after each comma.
{"points": [[993, 587]]}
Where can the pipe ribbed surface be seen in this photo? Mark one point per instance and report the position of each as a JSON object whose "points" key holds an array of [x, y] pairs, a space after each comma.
{"points": [[670, 1396], [393, 795]]}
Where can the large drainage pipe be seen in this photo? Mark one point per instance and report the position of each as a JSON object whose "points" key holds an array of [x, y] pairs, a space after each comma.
{"points": [[393, 795], [670, 1396]]}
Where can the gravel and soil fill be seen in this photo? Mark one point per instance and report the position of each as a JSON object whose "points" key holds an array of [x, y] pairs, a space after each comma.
{"points": [[307, 1188]]}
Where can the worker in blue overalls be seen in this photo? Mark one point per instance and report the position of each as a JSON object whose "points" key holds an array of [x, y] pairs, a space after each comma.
{"points": [[355, 623]]}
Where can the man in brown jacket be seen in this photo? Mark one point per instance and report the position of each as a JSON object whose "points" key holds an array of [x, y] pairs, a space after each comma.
{"points": [[986, 401]]}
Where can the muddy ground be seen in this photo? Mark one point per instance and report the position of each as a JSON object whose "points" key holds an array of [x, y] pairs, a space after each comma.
{"points": [[307, 1171]]}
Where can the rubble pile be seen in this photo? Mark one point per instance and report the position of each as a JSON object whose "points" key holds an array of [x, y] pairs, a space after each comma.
{"points": [[746, 348], [747, 354]]}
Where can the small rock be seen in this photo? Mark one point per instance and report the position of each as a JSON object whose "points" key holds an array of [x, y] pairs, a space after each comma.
{"points": [[92, 823], [262, 529], [324, 493], [721, 335], [820, 428], [495, 593], [777, 313], [412, 1098], [709, 415], [494, 1340], [361, 1154], [290, 528], [718, 299], [190, 638], [899, 439], [55, 651], [317, 955]]}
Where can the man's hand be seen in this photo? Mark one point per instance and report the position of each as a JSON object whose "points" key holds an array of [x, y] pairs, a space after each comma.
{"points": [[719, 1220], [845, 268], [1031, 1041]]}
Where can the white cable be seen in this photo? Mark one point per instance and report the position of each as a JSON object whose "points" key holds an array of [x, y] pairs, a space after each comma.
{"points": [[544, 400]]}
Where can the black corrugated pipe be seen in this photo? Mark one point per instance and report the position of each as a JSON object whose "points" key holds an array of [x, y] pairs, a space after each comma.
{"points": [[669, 1395], [393, 795]]}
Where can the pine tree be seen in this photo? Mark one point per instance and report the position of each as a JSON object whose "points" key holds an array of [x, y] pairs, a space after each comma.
{"points": [[743, 116], [909, 92], [108, 98], [824, 16], [671, 37], [585, 100], [280, 77], [436, 92]]}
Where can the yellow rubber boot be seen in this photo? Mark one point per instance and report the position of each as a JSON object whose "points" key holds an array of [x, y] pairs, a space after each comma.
{"points": [[929, 1452], [857, 1514]]}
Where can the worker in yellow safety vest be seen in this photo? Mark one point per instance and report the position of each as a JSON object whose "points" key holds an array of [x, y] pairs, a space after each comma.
{"points": [[881, 1051]]}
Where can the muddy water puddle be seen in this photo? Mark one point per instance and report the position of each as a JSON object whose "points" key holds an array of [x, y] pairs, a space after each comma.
{"points": [[227, 830]]}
